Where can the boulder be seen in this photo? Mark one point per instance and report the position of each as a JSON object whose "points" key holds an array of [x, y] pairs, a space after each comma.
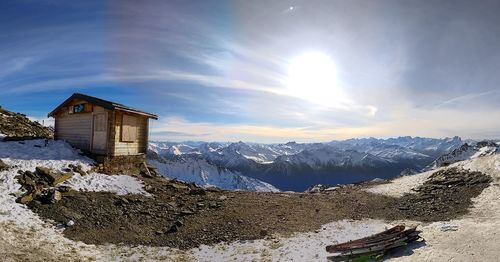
{"points": [[26, 199], [197, 191], [55, 196], [77, 169], [52, 176], [3, 166]]}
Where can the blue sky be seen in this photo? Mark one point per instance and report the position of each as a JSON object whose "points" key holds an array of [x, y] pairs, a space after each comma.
{"points": [[262, 71]]}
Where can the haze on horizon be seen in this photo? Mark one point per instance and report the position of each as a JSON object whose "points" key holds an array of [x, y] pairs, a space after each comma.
{"points": [[262, 71]]}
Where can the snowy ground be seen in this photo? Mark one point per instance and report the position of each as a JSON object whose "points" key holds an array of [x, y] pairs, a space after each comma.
{"points": [[25, 237], [477, 235]]}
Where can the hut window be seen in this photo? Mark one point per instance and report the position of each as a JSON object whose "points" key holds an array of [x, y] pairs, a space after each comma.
{"points": [[129, 128]]}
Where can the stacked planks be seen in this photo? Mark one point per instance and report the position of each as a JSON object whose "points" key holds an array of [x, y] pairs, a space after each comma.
{"points": [[374, 245]]}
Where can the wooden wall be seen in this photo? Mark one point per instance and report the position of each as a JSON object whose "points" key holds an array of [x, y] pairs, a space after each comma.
{"points": [[76, 129], [139, 146]]}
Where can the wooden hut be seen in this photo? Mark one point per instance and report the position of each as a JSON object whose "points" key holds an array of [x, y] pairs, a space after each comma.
{"points": [[101, 127]]}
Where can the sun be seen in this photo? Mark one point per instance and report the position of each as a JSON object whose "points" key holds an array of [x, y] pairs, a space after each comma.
{"points": [[313, 76]]}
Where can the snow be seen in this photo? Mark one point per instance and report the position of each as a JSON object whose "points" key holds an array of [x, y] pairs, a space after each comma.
{"points": [[257, 159], [299, 247], [464, 152], [484, 151], [399, 186], [27, 155], [119, 184], [477, 234], [24, 236]]}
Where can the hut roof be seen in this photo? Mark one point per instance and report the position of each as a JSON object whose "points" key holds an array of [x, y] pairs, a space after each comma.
{"points": [[102, 103]]}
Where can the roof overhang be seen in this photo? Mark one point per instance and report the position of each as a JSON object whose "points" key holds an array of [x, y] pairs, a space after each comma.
{"points": [[102, 103]]}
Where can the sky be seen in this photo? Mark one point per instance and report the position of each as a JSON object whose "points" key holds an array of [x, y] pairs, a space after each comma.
{"points": [[262, 71]]}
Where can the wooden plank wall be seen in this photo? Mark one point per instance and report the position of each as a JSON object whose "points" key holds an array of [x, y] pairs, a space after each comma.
{"points": [[76, 129], [100, 110], [130, 148]]}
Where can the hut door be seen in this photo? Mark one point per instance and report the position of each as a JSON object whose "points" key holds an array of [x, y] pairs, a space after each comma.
{"points": [[100, 132]]}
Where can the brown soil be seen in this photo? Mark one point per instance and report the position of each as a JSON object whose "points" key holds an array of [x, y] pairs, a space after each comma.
{"points": [[184, 216]]}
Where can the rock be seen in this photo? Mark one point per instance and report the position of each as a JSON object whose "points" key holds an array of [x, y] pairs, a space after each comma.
{"points": [[61, 178], [124, 200], [43, 171], [213, 189], [52, 176], [63, 189], [70, 214], [200, 204], [197, 191], [178, 185], [173, 229], [26, 199], [77, 169], [3, 166], [55, 196], [70, 223], [186, 212], [178, 223], [222, 198]]}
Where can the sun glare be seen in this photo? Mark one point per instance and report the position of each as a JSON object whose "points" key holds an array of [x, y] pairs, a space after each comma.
{"points": [[313, 76]]}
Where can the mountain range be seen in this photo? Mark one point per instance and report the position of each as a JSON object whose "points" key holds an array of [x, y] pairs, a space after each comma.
{"points": [[297, 166]]}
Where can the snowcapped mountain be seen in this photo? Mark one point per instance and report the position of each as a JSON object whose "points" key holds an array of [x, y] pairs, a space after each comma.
{"points": [[464, 152], [296, 166], [193, 168], [328, 155], [402, 147]]}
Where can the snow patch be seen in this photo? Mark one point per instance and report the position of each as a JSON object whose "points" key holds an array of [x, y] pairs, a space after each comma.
{"points": [[399, 186], [299, 247], [95, 182], [485, 151]]}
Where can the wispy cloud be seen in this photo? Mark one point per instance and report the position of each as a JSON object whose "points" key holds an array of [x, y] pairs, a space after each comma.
{"points": [[466, 98], [174, 134], [215, 71]]}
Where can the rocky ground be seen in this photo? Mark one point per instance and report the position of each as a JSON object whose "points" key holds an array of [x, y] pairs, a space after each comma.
{"points": [[184, 216], [446, 194], [16, 126]]}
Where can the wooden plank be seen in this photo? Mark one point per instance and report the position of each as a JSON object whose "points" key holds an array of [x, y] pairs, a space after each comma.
{"points": [[75, 129]]}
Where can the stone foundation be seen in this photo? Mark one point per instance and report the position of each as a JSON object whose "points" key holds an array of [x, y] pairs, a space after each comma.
{"points": [[125, 165]]}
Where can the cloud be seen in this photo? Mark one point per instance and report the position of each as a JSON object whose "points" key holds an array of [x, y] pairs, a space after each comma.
{"points": [[216, 71], [43, 120], [243, 132], [176, 134], [467, 98]]}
